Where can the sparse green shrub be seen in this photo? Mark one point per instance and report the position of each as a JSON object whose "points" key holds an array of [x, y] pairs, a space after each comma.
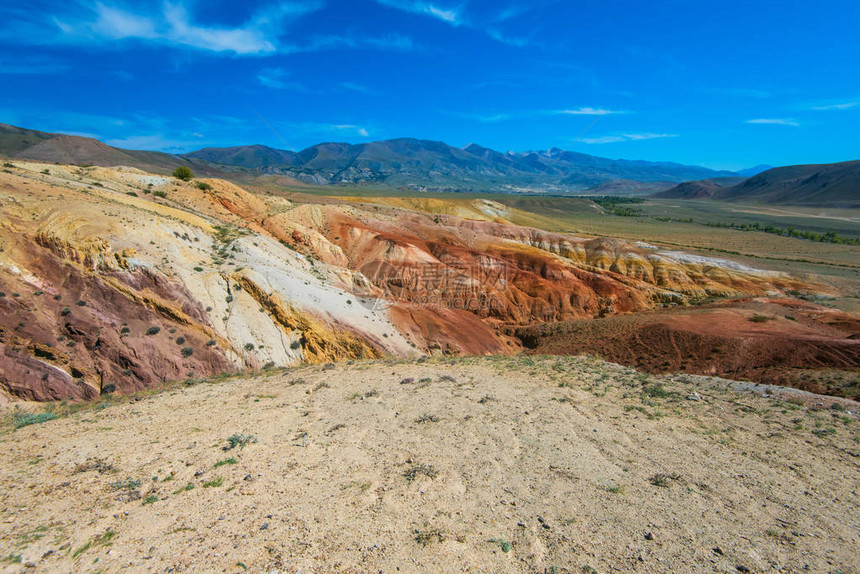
{"points": [[215, 482], [226, 461], [154, 330], [180, 340], [150, 499], [160, 193], [26, 419], [204, 186], [183, 172], [664, 480], [760, 318], [420, 469], [65, 311], [425, 537], [240, 440], [81, 303], [187, 351], [127, 484], [249, 346]]}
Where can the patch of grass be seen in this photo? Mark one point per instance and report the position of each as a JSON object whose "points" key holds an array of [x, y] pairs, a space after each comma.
{"points": [[82, 549], [185, 488], [362, 396], [417, 470], [615, 489], [150, 499], [658, 391], [97, 464], [362, 486], [214, 483], [13, 559], [102, 540], [759, 318], [240, 440], [127, 484], [821, 433], [664, 480], [425, 537], [503, 544], [230, 460], [26, 419]]}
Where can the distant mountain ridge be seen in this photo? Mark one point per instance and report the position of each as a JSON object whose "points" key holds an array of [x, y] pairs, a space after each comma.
{"points": [[430, 164], [820, 185]]}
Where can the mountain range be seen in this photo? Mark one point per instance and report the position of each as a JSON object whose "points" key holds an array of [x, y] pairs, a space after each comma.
{"points": [[831, 185], [405, 162], [428, 164]]}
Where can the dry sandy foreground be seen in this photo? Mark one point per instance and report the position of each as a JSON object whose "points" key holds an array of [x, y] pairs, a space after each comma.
{"points": [[481, 465]]}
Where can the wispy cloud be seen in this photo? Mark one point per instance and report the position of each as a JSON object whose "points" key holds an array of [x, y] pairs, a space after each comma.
{"points": [[590, 112], [174, 25], [775, 122], [836, 107], [456, 15], [326, 130], [504, 116], [451, 14], [624, 138], [486, 118], [278, 79]]}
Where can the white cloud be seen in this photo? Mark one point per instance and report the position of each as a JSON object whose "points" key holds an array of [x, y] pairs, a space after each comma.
{"points": [[278, 79], [456, 16], [590, 112], [835, 107], [775, 122], [624, 138], [451, 15], [173, 24]]}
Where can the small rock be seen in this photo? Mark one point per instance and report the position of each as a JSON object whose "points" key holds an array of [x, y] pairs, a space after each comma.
{"points": [[649, 536], [265, 526], [718, 550], [29, 565], [694, 396], [408, 381], [328, 366], [199, 473], [742, 568], [248, 478]]}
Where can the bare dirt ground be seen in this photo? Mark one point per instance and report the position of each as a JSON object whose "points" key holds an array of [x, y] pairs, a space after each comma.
{"points": [[526, 464]]}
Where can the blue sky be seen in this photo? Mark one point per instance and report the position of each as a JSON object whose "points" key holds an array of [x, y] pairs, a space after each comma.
{"points": [[727, 84]]}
